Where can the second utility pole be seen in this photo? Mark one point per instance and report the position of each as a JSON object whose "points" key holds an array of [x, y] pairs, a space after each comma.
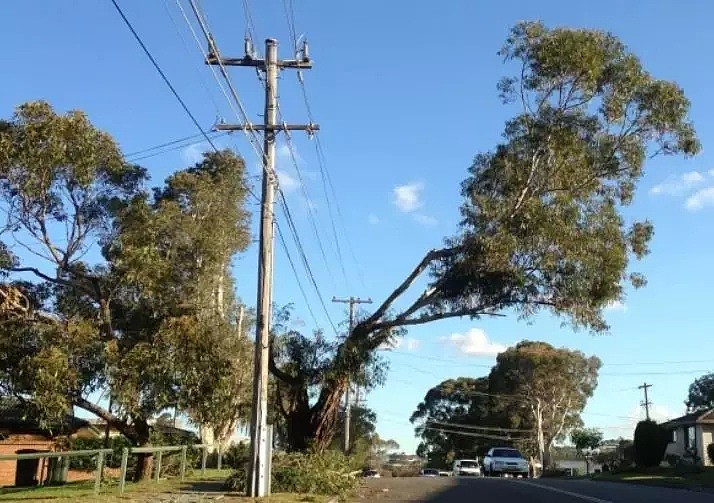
{"points": [[348, 404], [258, 478], [646, 404]]}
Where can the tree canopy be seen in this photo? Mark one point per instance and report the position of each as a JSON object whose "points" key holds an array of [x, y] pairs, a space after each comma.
{"points": [[701, 394], [542, 216], [545, 386], [586, 438], [147, 315], [446, 406]]}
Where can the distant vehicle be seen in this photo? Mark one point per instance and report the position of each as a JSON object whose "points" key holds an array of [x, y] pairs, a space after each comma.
{"points": [[444, 473], [503, 461], [429, 472], [466, 468], [371, 474]]}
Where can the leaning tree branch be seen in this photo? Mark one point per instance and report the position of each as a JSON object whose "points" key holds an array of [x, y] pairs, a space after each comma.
{"points": [[418, 270], [277, 372], [104, 414]]}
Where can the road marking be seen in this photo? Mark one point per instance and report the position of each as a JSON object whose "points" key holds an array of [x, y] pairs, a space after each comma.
{"points": [[568, 493]]}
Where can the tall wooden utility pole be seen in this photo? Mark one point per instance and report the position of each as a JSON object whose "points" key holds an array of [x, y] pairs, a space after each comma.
{"points": [[348, 404], [271, 65], [646, 404]]}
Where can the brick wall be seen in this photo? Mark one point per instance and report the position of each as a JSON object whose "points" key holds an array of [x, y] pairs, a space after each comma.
{"points": [[14, 443]]}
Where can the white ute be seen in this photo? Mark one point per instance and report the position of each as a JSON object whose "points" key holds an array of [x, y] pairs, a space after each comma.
{"points": [[503, 461], [466, 468]]}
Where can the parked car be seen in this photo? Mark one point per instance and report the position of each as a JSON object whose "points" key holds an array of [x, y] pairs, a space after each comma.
{"points": [[502, 461], [466, 468], [444, 473], [371, 474], [429, 472]]}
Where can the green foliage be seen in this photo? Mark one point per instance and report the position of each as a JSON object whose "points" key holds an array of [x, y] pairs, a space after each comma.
{"points": [[701, 394], [302, 366], [586, 438], [325, 473], [454, 401], [542, 224], [650, 444], [112, 460], [554, 385], [155, 318], [710, 453]]}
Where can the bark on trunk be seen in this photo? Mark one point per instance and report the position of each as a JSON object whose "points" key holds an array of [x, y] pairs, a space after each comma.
{"points": [[144, 466], [145, 462], [326, 413]]}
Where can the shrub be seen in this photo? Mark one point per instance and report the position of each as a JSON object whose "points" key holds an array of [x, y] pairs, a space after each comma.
{"points": [[326, 473], [673, 459], [650, 443], [89, 463], [710, 452]]}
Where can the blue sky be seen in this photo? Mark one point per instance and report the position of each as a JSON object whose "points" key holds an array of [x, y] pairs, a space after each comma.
{"points": [[405, 94]]}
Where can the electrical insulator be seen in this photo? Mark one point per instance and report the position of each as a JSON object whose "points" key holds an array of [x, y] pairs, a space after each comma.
{"points": [[248, 47], [305, 51]]}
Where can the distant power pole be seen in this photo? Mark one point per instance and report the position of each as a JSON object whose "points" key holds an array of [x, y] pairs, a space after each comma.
{"points": [[271, 65], [348, 404], [646, 404]]}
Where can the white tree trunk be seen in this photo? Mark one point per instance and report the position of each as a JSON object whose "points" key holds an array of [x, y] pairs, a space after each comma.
{"points": [[207, 436]]}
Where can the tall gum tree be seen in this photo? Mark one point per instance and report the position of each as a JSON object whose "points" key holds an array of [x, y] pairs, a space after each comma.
{"points": [[150, 319], [546, 387], [542, 225]]}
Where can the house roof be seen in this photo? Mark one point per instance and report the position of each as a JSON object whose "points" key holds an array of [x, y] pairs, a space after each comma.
{"points": [[699, 417], [20, 417]]}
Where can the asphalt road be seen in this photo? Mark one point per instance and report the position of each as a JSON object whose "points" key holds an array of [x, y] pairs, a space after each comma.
{"points": [[455, 490]]}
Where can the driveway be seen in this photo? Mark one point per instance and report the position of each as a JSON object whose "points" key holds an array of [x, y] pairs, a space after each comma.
{"points": [[449, 490]]}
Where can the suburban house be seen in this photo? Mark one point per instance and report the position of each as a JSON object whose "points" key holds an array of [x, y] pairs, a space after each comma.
{"points": [[690, 435], [20, 433]]}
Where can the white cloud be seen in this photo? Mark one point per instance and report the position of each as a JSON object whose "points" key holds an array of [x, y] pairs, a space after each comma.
{"points": [[678, 184], [288, 183], [700, 199], [474, 343], [425, 219], [407, 198], [616, 305], [405, 343], [193, 153]]}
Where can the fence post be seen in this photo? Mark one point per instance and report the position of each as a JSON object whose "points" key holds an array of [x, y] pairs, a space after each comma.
{"points": [[122, 476], [100, 469], [204, 455], [220, 457], [158, 465], [183, 462]]}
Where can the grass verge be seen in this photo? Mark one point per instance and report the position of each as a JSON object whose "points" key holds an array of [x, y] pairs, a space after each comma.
{"points": [[663, 477], [210, 484]]}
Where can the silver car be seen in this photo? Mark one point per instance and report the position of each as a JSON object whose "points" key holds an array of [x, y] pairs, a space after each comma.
{"points": [[503, 461]]}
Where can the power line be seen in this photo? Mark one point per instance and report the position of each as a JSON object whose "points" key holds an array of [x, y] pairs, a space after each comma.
{"points": [[312, 217], [470, 434], [250, 131], [163, 75], [295, 273], [201, 78], [476, 427], [319, 151], [202, 133], [170, 147]]}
